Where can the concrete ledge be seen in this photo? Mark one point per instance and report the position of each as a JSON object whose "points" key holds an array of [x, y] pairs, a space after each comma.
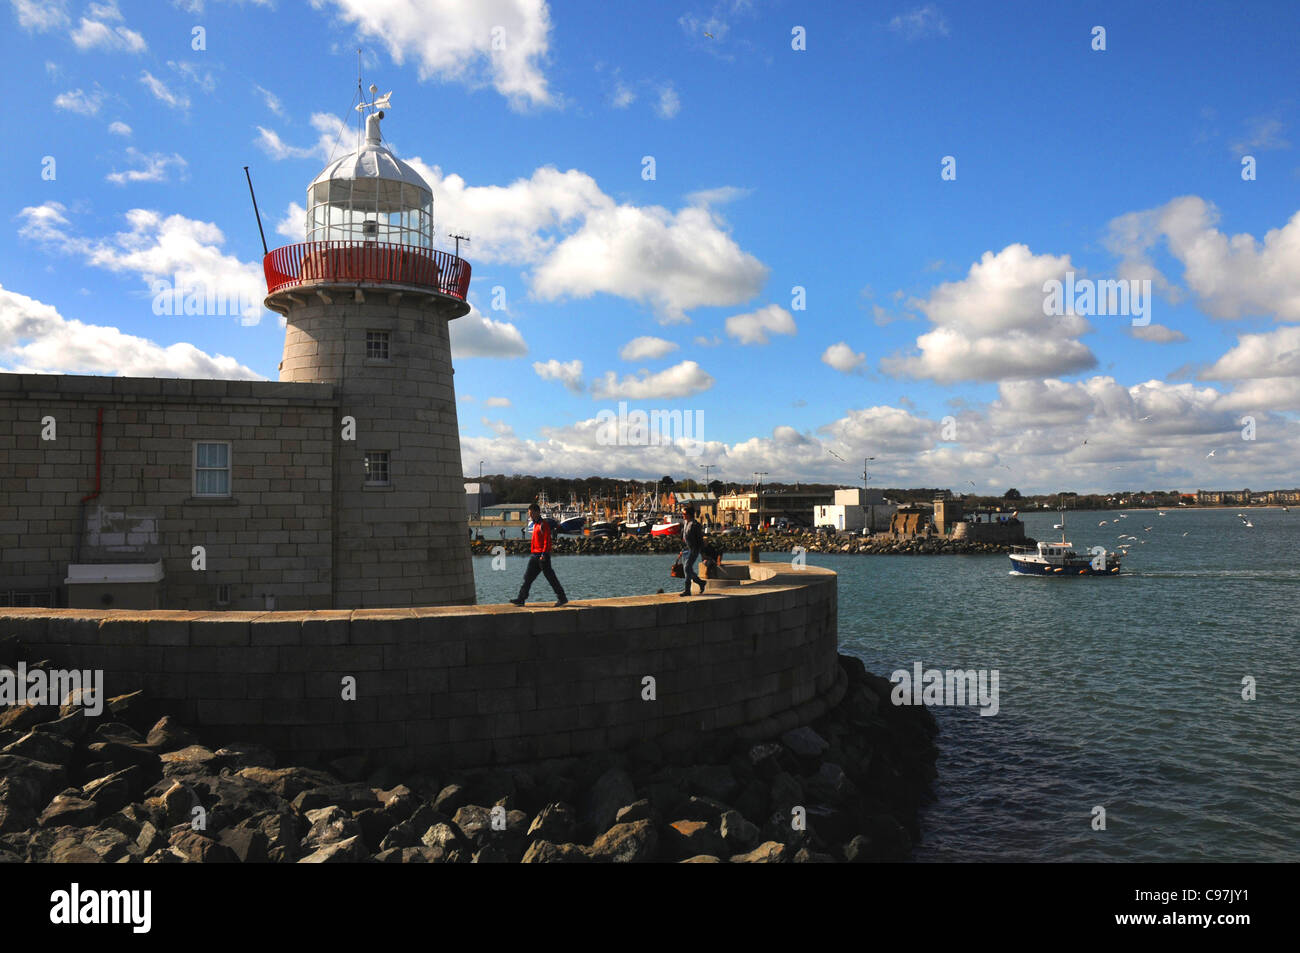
{"points": [[477, 684]]}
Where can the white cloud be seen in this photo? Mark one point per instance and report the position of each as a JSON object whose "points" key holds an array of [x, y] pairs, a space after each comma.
{"points": [[294, 224], [41, 16], [568, 373], [272, 101], [475, 335], [497, 402], [1232, 276], [119, 129], [498, 427], [163, 93], [1157, 334], [197, 6], [1273, 354], [719, 196], [191, 72], [670, 104], [153, 167], [328, 140], [843, 358], [680, 380], [516, 223], [94, 33], [990, 325], [1261, 133], [623, 96], [80, 102], [921, 22], [646, 349], [156, 247], [35, 338], [503, 42], [674, 263], [754, 327], [582, 242]]}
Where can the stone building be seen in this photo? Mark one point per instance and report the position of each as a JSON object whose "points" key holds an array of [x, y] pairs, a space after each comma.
{"points": [[339, 486]]}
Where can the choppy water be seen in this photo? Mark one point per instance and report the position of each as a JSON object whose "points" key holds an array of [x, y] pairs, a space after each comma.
{"points": [[1120, 692]]}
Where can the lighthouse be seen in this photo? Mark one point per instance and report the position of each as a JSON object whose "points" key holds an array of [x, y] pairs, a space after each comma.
{"points": [[367, 302]]}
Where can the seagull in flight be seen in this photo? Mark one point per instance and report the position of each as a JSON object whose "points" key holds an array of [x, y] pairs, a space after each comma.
{"points": [[828, 449], [1210, 454], [1147, 417], [1102, 523], [708, 34]]}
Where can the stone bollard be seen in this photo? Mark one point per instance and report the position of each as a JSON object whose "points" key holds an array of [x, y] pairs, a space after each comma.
{"points": [[753, 552]]}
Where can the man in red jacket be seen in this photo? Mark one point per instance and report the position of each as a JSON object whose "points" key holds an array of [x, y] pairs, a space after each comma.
{"points": [[540, 562]]}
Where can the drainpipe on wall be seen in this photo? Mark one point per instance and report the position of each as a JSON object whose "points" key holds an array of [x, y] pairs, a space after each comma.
{"points": [[99, 461]]}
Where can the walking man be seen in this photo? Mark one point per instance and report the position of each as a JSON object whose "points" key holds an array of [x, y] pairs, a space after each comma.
{"points": [[693, 540], [540, 562]]}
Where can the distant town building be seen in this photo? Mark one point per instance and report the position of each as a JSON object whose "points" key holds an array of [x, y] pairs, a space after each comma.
{"points": [[854, 510], [706, 504], [477, 496]]}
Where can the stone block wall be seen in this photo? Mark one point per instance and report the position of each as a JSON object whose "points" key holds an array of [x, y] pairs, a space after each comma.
{"points": [[472, 685], [273, 536]]}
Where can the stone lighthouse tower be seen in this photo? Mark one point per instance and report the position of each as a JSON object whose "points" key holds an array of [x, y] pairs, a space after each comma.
{"points": [[368, 299]]}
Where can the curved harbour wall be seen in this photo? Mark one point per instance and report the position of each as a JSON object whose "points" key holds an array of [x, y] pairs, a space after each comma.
{"points": [[473, 685]]}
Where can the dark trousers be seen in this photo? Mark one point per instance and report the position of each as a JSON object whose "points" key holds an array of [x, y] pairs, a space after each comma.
{"points": [[539, 566], [688, 568]]}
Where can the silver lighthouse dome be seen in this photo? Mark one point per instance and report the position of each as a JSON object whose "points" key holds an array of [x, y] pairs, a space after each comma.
{"points": [[370, 196]]}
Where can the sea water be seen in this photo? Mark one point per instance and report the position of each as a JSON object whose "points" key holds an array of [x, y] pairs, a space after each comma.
{"points": [[1121, 693]]}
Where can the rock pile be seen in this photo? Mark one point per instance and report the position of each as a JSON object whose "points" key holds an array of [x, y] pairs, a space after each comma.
{"points": [[129, 786]]}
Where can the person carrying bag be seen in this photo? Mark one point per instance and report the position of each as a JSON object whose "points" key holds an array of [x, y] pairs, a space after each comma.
{"points": [[693, 540]]}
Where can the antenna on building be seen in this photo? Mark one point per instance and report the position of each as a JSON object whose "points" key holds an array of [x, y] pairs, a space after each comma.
{"points": [[459, 238], [265, 250]]}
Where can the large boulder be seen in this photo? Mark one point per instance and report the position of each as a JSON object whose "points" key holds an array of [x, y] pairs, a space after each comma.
{"points": [[545, 852], [555, 823], [170, 735], [288, 782], [612, 790], [346, 851], [67, 810], [329, 825], [634, 842], [42, 746], [688, 838], [770, 852]]}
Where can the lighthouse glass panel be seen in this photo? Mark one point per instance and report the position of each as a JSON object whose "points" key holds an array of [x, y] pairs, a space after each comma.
{"points": [[370, 210]]}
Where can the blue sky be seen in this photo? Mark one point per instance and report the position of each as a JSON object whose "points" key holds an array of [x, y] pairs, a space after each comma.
{"points": [[922, 342]]}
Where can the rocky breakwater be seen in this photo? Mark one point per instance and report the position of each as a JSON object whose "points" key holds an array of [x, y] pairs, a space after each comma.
{"points": [[129, 786], [880, 545]]}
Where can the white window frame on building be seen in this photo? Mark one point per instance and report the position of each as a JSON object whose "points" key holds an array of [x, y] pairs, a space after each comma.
{"points": [[382, 350], [227, 469], [383, 475]]}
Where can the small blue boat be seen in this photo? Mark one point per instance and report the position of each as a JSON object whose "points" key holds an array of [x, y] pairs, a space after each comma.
{"points": [[1060, 559]]}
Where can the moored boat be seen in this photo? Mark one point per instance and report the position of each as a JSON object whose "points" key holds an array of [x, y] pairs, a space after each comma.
{"points": [[666, 529]]}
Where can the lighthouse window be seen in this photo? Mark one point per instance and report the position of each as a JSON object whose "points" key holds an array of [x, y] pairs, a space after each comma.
{"points": [[211, 469], [376, 465], [376, 345]]}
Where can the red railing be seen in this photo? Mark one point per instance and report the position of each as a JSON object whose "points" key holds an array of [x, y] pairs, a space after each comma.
{"points": [[381, 262]]}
